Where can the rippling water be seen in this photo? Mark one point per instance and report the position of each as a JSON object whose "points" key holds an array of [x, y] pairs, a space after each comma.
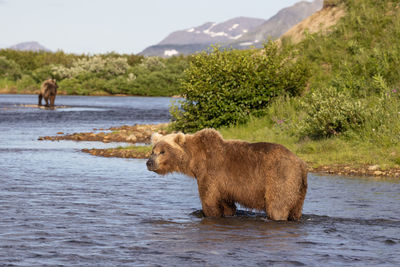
{"points": [[59, 206]]}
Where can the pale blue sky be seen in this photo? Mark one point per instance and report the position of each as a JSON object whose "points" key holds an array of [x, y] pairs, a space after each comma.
{"points": [[123, 26]]}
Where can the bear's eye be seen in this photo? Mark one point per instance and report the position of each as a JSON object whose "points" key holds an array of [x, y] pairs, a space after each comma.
{"points": [[162, 152]]}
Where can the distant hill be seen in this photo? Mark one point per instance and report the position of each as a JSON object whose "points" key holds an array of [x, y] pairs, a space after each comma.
{"points": [[240, 32], [29, 46], [280, 23]]}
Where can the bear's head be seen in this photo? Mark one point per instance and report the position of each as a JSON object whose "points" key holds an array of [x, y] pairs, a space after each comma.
{"points": [[168, 154], [54, 83], [51, 84]]}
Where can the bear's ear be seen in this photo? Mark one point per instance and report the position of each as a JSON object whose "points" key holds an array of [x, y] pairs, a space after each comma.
{"points": [[155, 137], [179, 139]]}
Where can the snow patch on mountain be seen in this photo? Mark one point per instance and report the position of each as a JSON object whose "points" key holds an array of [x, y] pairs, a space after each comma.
{"points": [[233, 27], [170, 53]]}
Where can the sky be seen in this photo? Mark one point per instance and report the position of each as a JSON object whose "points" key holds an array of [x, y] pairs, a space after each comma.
{"points": [[122, 26]]}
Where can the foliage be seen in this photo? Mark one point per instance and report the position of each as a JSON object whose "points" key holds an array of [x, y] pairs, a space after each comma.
{"points": [[363, 45], [9, 69], [353, 89], [351, 113], [330, 112], [96, 65], [225, 87], [30, 60], [110, 73]]}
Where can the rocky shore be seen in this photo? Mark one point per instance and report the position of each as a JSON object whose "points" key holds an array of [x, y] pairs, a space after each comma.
{"points": [[129, 152], [366, 170], [141, 133]]}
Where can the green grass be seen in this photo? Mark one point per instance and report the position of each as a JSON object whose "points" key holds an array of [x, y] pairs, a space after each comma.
{"points": [[341, 150], [7, 86], [377, 142], [139, 149]]}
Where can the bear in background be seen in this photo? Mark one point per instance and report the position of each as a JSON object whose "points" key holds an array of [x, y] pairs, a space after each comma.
{"points": [[48, 91], [262, 176]]}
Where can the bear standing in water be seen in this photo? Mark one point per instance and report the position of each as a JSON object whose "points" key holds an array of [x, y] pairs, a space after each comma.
{"points": [[262, 176], [48, 91]]}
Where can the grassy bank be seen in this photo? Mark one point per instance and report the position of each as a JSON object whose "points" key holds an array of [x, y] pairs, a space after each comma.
{"points": [[375, 142], [336, 151]]}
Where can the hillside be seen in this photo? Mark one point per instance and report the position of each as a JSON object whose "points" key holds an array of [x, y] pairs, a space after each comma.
{"points": [[320, 21]]}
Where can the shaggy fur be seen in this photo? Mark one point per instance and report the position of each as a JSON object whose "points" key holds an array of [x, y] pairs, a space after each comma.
{"points": [[262, 176], [48, 91]]}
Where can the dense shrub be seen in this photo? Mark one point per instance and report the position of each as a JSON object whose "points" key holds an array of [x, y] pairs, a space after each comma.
{"points": [[43, 73], [331, 112], [27, 83], [110, 73], [225, 87], [101, 67], [9, 69], [30, 60]]}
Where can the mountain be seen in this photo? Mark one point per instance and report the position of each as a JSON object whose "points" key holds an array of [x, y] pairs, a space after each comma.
{"points": [[29, 46], [240, 32], [279, 24], [199, 38], [212, 32]]}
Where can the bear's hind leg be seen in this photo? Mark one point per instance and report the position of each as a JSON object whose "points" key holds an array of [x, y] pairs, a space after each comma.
{"points": [[295, 213], [277, 212], [40, 99], [277, 203]]}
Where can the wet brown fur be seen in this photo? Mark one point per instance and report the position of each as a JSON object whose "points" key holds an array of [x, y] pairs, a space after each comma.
{"points": [[48, 91], [262, 176]]}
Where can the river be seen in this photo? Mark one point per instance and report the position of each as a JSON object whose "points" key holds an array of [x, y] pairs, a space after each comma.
{"points": [[62, 207]]}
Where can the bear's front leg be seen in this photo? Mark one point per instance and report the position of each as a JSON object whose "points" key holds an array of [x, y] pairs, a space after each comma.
{"points": [[211, 210], [210, 200], [229, 208]]}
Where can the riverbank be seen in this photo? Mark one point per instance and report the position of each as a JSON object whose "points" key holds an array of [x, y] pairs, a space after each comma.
{"points": [[139, 136], [27, 91], [140, 133]]}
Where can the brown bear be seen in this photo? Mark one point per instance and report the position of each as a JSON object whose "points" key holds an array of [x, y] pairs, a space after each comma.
{"points": [[261, 176], [48, 91]]}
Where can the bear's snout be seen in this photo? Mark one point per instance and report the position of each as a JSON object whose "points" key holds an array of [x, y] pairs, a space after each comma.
{"points": [[151, 166]]}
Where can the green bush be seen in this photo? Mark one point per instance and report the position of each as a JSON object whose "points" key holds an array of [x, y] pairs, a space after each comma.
{"points": [[101, 67], [225, 87], [9, 69], [27, 83], [330, 112], [43, 73]]}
